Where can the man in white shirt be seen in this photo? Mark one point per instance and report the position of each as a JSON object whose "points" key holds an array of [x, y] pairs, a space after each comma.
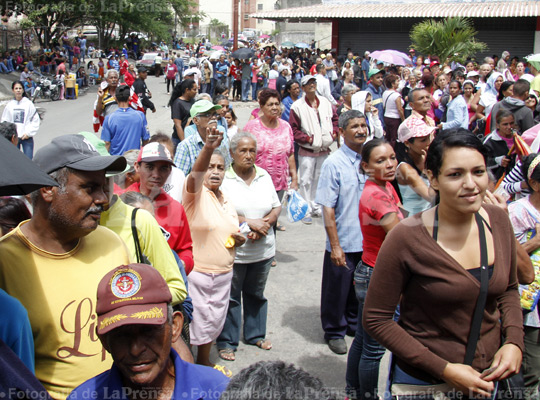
{"points": [[323, 84]]}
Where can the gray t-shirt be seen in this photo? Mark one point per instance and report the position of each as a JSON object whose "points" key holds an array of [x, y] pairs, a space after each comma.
{"points": [[246, 71]]}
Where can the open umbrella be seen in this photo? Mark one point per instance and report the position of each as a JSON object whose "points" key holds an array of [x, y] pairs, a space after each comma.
{"points": [[243, 53], [287, 44], [391, 56], [264, 36], [265, 45], [215, 55], [301, 45], [217, 48], [19, 174]]}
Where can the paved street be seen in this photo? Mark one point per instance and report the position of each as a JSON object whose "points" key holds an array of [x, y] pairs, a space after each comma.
{"points": [[293, 288]]}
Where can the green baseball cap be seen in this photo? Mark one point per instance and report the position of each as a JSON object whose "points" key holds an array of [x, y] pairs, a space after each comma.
{"points": [[374, 71], [202, 106]]}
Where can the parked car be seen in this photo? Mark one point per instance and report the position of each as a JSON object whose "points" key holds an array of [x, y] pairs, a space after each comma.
{"points": [[149, 61]]}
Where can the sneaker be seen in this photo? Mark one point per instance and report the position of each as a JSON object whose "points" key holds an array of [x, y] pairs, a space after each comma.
{"points": [[338, 346], [307, 220]]}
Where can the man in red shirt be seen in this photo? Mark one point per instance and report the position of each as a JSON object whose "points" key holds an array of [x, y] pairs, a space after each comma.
{"points": [[154, 167], [124, 65]]}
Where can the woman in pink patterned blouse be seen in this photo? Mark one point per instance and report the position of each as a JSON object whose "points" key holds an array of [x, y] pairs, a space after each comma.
{"points": [[275, 142]]}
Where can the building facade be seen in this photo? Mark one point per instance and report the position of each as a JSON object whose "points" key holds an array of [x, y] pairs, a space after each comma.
{"points": [[512, 25]]}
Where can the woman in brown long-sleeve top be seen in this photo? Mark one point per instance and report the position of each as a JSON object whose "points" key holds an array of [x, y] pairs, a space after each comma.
{"points": [[430, 265]]}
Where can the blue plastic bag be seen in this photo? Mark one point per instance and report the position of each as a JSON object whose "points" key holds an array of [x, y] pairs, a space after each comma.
{"points": [[297, 207]]}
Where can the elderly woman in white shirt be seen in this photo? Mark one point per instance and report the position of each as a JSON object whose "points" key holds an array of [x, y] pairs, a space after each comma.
{"points": [[251, 191]]}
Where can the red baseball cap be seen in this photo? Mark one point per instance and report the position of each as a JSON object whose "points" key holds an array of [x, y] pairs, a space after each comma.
{"points": [[134, 294], [433, 63]]}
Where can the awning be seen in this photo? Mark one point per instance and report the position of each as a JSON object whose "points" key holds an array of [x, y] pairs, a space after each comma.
{"points": [[419, 9]]}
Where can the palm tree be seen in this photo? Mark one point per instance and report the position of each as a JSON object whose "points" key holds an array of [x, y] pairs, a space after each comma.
{"points": [[450, 38]]}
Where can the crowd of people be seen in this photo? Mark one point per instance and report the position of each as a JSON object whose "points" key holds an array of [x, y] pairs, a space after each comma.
{"points": [[430, 207]]}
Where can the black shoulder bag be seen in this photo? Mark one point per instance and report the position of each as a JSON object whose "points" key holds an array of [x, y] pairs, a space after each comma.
{"points": [[141, 258]]}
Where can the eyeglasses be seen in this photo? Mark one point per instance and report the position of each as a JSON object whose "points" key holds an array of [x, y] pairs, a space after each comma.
{"points": [[208, 115]]}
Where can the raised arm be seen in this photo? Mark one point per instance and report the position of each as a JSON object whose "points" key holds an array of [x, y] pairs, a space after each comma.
{"points": [[196, 178]]}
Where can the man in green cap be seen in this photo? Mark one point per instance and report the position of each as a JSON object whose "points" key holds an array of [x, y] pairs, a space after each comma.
{"points": [[204, 115], [375, 87]]}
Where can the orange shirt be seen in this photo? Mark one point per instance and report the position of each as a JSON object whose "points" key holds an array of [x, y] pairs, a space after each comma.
{"points": [[211, 224]]}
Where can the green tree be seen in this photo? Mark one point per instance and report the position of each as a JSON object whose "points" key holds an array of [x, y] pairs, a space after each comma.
{"points": [[451, 38], [112, 18]]}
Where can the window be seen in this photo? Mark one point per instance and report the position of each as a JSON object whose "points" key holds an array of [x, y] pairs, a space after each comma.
{"points": [[246, 16], [259, 7], [246, 2], [260, 21]]}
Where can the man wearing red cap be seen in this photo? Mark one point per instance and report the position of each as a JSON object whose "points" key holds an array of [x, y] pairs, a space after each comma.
{"points": [[136, 324], [154, 167]]}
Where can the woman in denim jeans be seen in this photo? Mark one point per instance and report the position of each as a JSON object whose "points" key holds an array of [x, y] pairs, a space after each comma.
{"points": [[379, 213], [251, 191]]}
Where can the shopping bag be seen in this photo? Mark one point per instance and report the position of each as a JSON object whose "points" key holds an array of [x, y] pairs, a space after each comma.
{"points": [[297, 207]]}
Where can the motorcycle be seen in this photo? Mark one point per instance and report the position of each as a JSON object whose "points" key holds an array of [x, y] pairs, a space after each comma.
{"points": [[46, 89]]}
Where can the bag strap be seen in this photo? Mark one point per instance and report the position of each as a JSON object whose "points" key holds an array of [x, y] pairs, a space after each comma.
{"points": [[388, 98], [477, 318], [135, 235], [474, 335]]}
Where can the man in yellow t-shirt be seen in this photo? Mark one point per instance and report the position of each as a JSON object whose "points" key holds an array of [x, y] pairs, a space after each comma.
{"points": [[53, 263]]}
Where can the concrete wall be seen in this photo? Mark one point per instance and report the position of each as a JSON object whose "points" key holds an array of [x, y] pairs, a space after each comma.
{"points": [[304, 32]]}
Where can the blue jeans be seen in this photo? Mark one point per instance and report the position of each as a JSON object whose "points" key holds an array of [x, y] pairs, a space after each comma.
{"points": [[248, 283], [365, 354], [27, 147], [254, 86], [246, 85], [3, 68]]}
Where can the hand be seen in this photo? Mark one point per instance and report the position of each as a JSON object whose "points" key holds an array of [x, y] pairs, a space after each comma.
{"points": [[294, 184], [496, 200], [505, 161], [100, 92], [374, 111], [24, 137], [506, 362], [153, 110], [259, 225], [239, 239], [337, 256], [213, 137], [439, 127], [466, 379], [253, 236], [149, 94]]}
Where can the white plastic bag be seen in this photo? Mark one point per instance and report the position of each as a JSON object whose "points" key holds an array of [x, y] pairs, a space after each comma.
{"points": [[297, 207]]}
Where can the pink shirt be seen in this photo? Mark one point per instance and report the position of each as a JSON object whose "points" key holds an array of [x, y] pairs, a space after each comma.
{"points": [[274, 146]]}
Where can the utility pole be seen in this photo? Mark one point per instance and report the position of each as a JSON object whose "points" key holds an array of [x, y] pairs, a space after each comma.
{"points": [[235, 25]]}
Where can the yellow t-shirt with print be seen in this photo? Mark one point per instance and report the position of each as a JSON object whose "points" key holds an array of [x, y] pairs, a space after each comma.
{"points": [[59, 293]]}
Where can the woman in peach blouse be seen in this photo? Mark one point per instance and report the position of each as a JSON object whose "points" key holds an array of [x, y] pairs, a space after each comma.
{"points": [[213, 222]]}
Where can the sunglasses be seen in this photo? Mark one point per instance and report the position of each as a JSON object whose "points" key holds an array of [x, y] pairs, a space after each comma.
{"points": [[208, 115]]}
